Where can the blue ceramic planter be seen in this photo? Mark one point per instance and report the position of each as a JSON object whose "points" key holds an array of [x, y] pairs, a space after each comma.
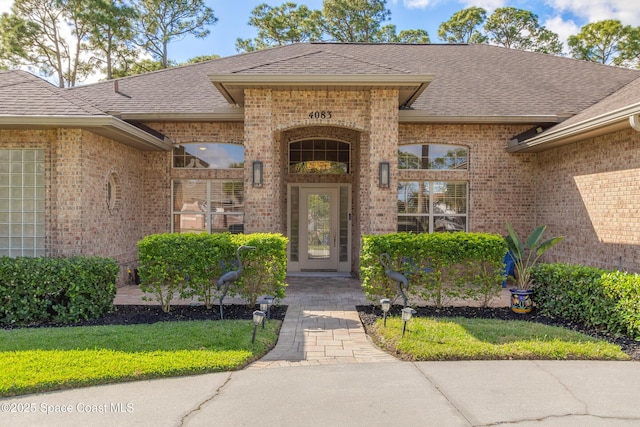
{"points": [[521, 301]]}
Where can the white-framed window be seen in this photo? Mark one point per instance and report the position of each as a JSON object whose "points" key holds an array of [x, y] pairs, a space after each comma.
{"points": [[432, 206], [22, 202], [212, 155], [207, 205], [433, 157]]}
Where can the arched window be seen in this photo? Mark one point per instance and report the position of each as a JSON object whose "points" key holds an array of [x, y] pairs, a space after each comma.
{"points": [[433, 156], [208, 155], [319, 156]]}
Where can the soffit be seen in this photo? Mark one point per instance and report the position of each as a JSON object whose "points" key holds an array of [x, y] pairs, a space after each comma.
{"points": [[232, 86]]}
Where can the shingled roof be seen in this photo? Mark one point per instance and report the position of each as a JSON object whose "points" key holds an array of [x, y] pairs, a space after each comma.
{"points": [[29, 102], [24, 94], [470, 82]]}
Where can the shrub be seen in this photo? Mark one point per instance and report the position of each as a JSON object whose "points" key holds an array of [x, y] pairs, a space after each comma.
{"points": [[439, 266], [593, 296], [190, 264], [59, 290], [265, 267]]}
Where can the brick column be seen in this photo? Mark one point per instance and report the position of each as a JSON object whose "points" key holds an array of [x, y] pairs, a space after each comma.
{"points": [[378, 213], [262, 204]]}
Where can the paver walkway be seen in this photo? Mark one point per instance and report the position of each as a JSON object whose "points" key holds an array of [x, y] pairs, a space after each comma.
{"points": [[321, 326]]}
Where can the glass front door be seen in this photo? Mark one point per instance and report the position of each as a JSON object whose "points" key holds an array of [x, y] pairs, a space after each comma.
{"points": [[319, 227]]}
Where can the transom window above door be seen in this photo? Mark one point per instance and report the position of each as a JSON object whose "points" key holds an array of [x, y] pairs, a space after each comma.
{"points": [[319, 156]]}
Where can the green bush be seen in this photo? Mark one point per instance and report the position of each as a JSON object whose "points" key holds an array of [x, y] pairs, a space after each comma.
{"points": [[599, 298], [265, 267], [59, 290], [190, 264], [439, 266]]}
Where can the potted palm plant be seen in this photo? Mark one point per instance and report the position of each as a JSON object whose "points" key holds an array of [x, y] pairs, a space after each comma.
{"points": [[525, 255]]}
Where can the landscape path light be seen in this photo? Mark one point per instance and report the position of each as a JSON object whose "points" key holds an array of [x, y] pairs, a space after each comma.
{"points": [[264, 307], [269, 300], [407, 313], [385, 303], [258, 317]]}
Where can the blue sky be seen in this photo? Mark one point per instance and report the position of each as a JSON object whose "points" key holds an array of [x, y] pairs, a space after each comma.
{"points": [[564, 17]]}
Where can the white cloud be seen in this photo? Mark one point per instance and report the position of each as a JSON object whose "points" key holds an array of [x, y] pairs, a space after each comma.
{"points": [[419, 4], [627, 11], [562, 28], [488, 5], [5, 5]]}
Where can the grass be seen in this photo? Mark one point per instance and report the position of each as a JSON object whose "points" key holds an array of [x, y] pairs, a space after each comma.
{"points": [[488, 339], [44, 359]]}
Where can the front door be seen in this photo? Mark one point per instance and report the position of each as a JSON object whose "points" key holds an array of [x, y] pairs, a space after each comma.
{"points": [[319, 228], [319, 225]]}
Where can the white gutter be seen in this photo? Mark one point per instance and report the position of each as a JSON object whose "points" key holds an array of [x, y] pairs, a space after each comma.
{"points": [[108, 126], [611, 121], [421, 116]]}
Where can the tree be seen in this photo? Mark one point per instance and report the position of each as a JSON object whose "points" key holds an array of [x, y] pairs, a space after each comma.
{"points": [[519, 29], [630, 49], [111, 34], [200, 58], [35, 34], [413, 37], [350, 21], [163, 21], [599, 41], [284, 24], [140, 67], [463, 25]]}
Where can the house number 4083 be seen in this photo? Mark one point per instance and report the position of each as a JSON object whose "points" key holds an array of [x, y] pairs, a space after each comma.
{"points": [[320, 115]]}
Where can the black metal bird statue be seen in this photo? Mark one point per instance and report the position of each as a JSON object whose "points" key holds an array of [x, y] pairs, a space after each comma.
{"points": [[228, 278], [397, 277]]}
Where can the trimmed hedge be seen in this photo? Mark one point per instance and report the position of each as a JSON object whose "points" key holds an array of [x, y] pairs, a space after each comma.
{"points": [[58, 290], [438, 266], [599, 298], [190, 264]]}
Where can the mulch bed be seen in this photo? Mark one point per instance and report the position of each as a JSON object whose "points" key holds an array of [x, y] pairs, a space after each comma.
{"points": [[369, 314], [146, 314]]}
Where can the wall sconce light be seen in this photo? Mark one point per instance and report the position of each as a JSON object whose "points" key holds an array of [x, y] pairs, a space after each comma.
{"points": [[384, 177], [256, 177]]}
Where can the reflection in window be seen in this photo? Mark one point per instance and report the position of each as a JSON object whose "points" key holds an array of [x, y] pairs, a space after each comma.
{"points": [[433, 156], [211, 206], [425, 207], [319, 156], [209, 155]]}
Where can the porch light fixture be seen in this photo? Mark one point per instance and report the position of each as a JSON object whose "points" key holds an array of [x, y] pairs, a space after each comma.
{"points": [[258, 317], [256, 176], [407, 313], [385, 303], [384, 175]]}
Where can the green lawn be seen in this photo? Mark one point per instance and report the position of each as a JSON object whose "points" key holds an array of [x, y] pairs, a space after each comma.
{"points": [[488, 339], [43, 359]]}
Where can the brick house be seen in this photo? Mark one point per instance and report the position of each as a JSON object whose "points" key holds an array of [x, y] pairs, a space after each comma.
{"points": [[325, 143]]}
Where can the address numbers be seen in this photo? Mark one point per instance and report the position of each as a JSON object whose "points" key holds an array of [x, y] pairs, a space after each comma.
{"points": [[320, 114]]}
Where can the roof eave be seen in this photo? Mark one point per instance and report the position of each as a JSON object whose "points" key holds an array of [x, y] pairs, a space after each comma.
{"points": [[421, 116], [410, 86], [106, 126], [624, 118]]}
